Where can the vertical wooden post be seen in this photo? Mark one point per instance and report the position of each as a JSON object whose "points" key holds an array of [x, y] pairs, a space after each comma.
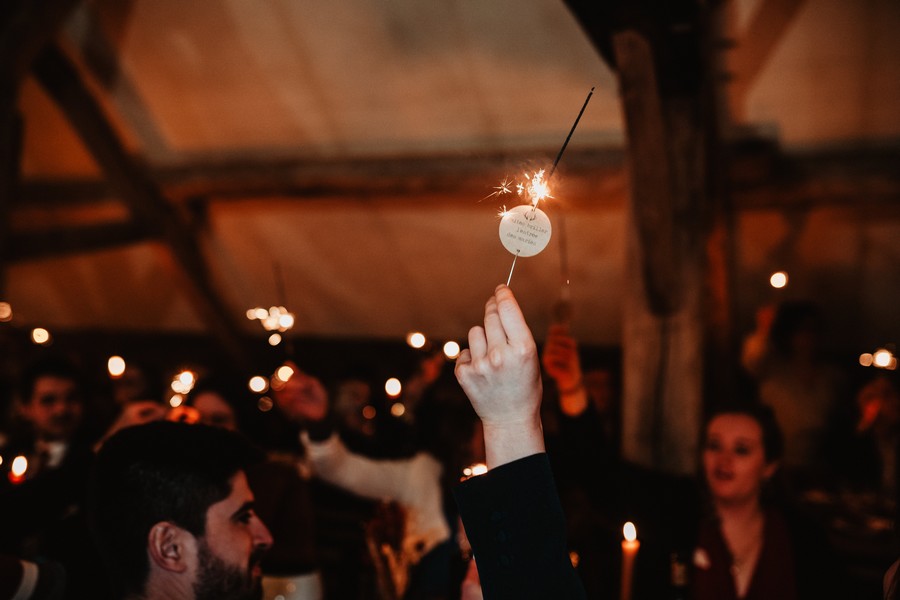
{"points": [[668, 299], [10, 158]]}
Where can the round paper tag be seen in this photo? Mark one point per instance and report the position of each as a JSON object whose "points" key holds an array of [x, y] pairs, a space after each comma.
{"points": [[525, 230]]}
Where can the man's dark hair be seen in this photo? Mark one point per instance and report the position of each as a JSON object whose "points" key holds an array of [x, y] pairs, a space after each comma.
{"points": [[47, 366], [162, 471]]}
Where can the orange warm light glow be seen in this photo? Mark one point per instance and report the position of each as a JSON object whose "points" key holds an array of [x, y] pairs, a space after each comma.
{"points": [[258, 384], [5, 312], [778, 280], [398, 409], [284, 373], [629, 531], [17, 469], [116, 366], [274, 339], [451, 350], [369, 412], [39, 335], [476, 469], [416, 339], [393, 387], [882, 358]]}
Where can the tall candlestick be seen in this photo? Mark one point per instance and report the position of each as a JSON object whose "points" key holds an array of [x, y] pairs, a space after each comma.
{"points": [[630, 547]]}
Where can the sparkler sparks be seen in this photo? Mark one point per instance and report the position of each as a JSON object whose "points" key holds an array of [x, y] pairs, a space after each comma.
{"points": [[503, 188], [533, 237]]}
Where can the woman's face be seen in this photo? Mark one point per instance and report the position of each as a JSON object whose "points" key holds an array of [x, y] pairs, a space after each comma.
{"points": [[734, 460], [215, 411]]}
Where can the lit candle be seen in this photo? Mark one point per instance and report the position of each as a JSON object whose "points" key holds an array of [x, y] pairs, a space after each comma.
{"points": [[630, 547], [17, 469]]}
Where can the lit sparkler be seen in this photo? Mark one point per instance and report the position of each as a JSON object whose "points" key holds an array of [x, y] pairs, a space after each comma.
{"points": [[535, 188]]}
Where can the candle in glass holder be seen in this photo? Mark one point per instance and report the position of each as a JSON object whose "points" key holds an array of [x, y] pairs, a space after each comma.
{"points": [[630, 547]]}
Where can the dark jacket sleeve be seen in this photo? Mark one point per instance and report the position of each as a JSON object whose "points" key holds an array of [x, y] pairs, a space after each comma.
{"points": [[515, 524]]}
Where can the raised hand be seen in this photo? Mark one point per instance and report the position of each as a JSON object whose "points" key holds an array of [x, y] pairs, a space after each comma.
{"points": [[500, 374], [560, 358]]}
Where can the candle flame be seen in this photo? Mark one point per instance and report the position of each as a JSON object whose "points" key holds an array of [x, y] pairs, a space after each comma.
{"points": [[629, 531], [19, 466]]}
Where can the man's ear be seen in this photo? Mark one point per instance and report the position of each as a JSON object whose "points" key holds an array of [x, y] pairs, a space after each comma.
{"points": [[169, 547]]}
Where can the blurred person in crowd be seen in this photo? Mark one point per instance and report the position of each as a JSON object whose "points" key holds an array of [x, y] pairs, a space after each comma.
{"points": [[419, 484], [587, 399], [878, 401], [174, 515], [41, 508], [784, 354], [283, 496], [751, 545], [599, 490]]}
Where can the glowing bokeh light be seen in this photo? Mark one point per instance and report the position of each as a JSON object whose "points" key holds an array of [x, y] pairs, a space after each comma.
{"points": [[398, 409], [451, 350], [416, 339], [116, 366], [866, 359], [274, 339], [882, 358], [260, 313], [19, 466], [778, 280], [629, 531], [258, 384], [393, 387], [187, 378], [284, 373], [476, 469], [5, 311], [265, 404], [369, 412], [176, 400], [39, 335]]}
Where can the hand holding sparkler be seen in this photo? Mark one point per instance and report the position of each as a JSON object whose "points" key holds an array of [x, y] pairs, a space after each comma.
{"points": [[500, 374]]}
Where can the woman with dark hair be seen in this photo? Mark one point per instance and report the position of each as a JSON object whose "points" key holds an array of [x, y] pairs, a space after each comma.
{"points": [[751, 547]]}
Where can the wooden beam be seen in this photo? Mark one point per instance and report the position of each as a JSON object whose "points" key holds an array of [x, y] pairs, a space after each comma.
{"points": [[398, 177], [26, 26], [756, 44], [148, 206], [60, 241]]}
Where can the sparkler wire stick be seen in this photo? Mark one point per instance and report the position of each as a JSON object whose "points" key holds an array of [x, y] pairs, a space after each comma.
{"points": [[564, 266], [561, 226], [508, 279], [571, 131]]}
